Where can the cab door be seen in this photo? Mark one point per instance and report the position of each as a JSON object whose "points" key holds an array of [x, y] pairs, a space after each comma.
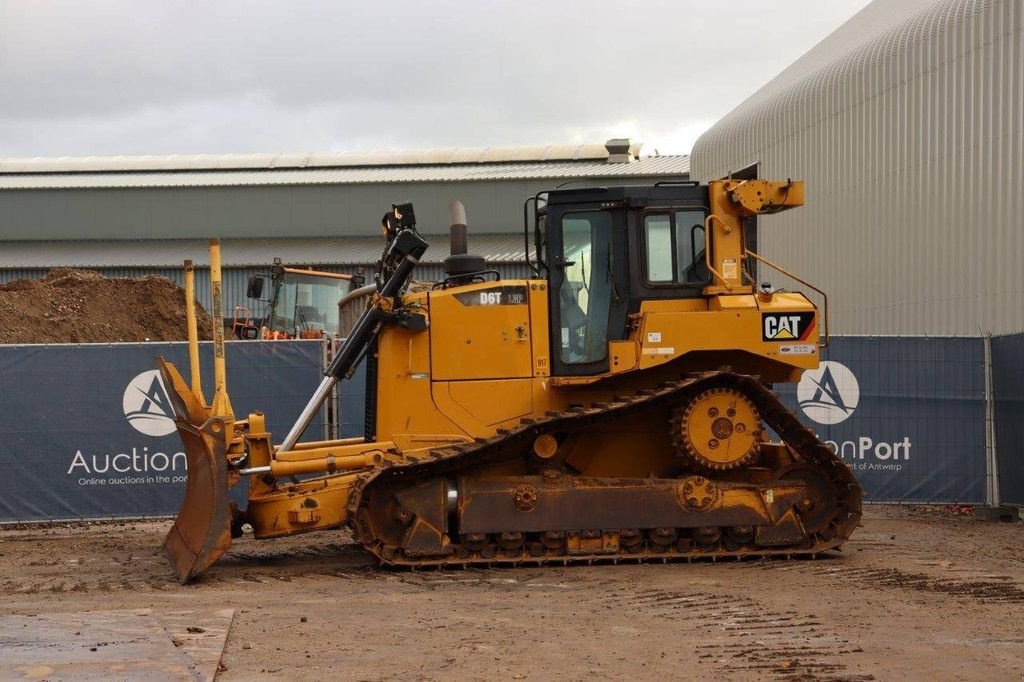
{"points": [[587, 266]]}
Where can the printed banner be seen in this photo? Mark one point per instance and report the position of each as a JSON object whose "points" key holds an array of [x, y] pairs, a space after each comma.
{"points": [[86, 430], [1008, 389], [906, 414], [351, 397]]}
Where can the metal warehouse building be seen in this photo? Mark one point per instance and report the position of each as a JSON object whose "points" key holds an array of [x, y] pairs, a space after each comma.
{"points": [[132, 216], [906, 124]]}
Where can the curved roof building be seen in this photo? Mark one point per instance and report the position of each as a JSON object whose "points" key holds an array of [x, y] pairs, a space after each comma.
{"points": [[906, 124]]}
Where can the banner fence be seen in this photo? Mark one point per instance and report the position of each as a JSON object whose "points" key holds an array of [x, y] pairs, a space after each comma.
{"points": [[86, 432], [906, 414], [1008, 432]]}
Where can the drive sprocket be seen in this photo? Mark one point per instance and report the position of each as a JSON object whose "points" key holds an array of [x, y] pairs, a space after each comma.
{"points": [[719, 429]]}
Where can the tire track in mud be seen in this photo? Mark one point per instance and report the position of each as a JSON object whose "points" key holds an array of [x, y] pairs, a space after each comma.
{"points": [[270, 556], [512, 578], [63, 584], [741, 635], [985, 588], [133, 572], [267, 564]]}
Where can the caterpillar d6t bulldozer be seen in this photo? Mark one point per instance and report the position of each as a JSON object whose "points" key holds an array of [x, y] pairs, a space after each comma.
{"points": [[615, 407]]}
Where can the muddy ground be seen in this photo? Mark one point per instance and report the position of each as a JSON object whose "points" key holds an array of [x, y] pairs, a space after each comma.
{"points": [[917, 594]]}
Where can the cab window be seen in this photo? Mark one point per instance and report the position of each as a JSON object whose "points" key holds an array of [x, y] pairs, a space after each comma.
{"points": [[584, 297], [674, 245]]}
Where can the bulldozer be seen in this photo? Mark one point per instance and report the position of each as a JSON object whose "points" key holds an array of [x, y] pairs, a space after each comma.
{"points": [[615, 406]]}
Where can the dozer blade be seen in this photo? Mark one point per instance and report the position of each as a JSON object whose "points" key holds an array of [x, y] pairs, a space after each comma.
{"points": [[202, 530]]}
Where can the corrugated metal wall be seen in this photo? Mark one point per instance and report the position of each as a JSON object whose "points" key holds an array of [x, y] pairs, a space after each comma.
{"points": [[492, 207], [236, 279], [911, 145]]}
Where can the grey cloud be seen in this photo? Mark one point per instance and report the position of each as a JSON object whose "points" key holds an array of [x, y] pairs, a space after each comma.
{"points": [[189, 77]]}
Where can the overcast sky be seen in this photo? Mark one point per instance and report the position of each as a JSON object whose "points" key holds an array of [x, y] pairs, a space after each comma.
{"points": [[164, 77]]}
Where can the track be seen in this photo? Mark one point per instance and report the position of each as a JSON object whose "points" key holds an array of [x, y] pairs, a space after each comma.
{"points": [[366, 502]]}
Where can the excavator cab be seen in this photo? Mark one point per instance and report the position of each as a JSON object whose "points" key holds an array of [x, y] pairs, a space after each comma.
{"points": [[300, 304]]}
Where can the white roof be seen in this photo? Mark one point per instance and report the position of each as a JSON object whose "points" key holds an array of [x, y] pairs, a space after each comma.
{"points": [[169, 253], [651, 167], [421, 157]]}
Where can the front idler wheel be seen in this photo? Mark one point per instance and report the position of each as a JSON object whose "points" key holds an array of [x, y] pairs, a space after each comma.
{"points": [[817, 506]]}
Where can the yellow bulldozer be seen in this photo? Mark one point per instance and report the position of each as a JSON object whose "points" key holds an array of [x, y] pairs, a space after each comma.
{"points": [[616, 406]]}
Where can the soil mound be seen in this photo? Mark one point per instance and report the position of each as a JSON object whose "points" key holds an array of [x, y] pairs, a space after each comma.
{"points": [[82, 306]]}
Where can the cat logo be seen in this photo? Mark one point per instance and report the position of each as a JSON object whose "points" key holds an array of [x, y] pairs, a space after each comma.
{"points": [[787, 326]]}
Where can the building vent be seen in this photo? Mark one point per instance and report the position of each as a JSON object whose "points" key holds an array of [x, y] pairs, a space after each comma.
{"points": [[620, 150]]}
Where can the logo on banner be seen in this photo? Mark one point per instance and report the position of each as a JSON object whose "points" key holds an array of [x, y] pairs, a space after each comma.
{"points": [[829, 394], [147, 406]]}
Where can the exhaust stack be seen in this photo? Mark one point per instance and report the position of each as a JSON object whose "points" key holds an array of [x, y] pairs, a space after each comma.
{"points": [[461, 267], [458, 231]]}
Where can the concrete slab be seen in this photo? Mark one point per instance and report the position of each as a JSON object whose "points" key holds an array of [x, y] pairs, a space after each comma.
{"points": [[95, 645], [1001, 513]]}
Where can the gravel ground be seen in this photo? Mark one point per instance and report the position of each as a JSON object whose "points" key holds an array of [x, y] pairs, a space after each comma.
{"points": [[919, 593]]}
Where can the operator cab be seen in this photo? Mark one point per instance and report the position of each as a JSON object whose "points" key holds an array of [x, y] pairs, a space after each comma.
{"points": [[302, 304], [604, 251]]}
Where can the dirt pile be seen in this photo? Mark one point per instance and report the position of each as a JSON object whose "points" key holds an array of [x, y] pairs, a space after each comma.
{"points": [[81, 306]]}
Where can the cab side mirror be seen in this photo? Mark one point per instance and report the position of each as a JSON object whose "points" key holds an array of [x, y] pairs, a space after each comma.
{"points": [[249, 333], [255, 288]]}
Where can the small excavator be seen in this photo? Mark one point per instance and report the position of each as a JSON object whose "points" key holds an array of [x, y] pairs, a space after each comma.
{"points": [[616, 406]]}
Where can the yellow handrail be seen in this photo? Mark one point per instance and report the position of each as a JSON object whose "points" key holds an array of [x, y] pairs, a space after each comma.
{"points": [[786, 272], [707, 252]]}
